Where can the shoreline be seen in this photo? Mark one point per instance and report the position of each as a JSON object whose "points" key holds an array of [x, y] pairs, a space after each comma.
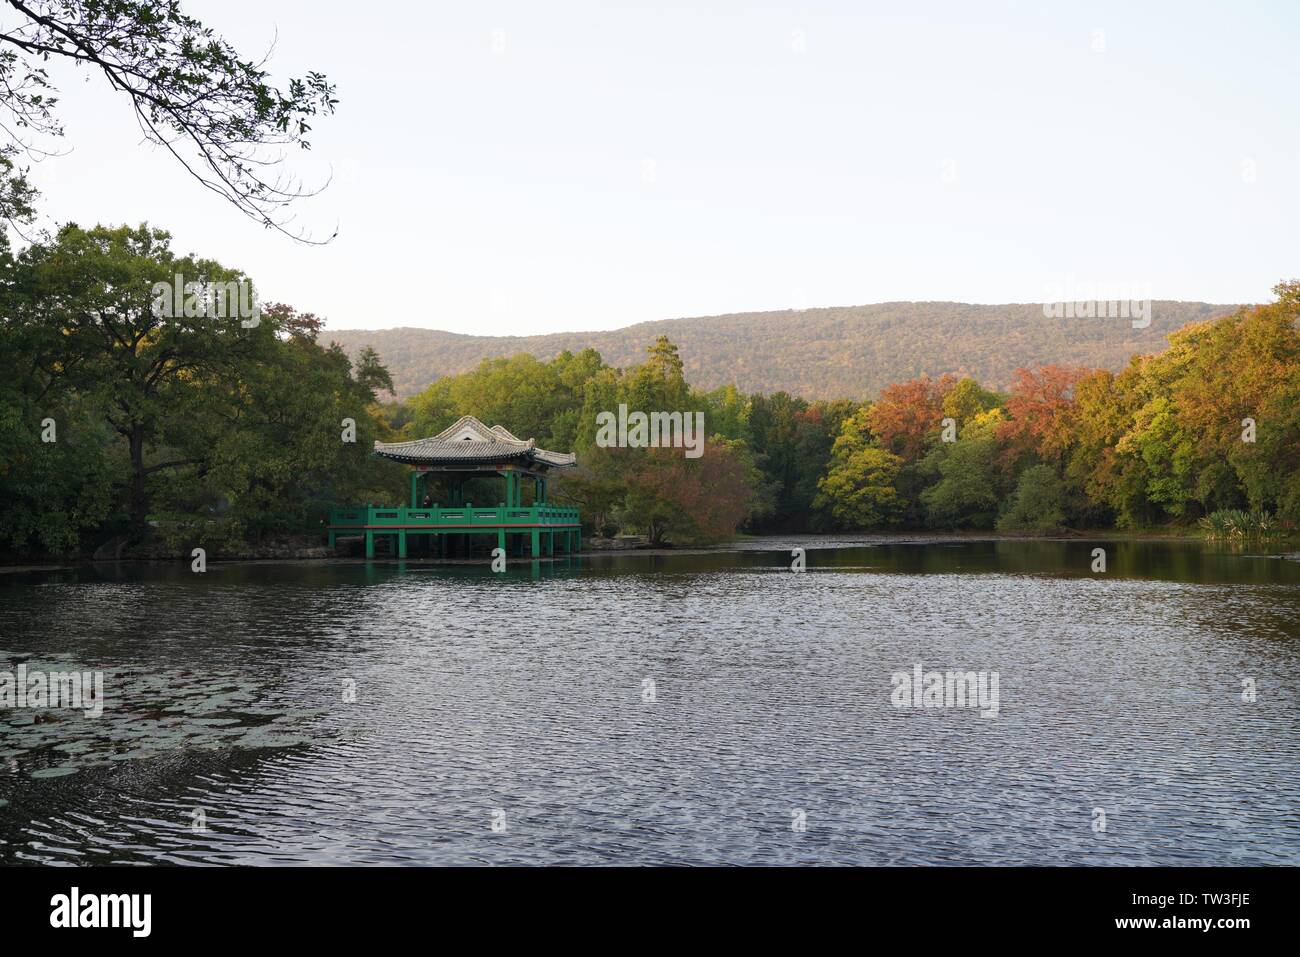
{"points": [[744, 543]]}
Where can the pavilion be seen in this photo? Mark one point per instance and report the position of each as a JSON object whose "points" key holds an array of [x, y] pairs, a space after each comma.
{"points": [[466, 451]]}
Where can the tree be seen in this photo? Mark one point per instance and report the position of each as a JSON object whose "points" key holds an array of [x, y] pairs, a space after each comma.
{"points": [[191, 93], [1095, 472], [818, 427], [56, 469], [1040, 409], [726, 410], [908, 413], [967, 399], [967, 491], [658, 384], [534, 400], [860, 487], [1166, 450], [1038, 504], [93, 291], [778, 428], [268, 445], [667, 497]]}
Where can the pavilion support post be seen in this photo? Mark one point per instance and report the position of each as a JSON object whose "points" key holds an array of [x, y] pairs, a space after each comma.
{"points": [[401, 543], [537, 543], [370, 544], [501, 540], [415, 489], [550, 541]]}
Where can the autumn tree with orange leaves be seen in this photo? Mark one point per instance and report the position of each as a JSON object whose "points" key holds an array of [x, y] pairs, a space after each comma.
{"points": [[1041, 412], [907, 413]]}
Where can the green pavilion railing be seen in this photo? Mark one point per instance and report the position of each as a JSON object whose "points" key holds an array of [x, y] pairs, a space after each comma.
{"points": [[384, 517], [538, 528]]}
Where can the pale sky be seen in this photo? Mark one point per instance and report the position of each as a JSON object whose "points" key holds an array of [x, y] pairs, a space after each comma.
{"points": [[516, 168]]}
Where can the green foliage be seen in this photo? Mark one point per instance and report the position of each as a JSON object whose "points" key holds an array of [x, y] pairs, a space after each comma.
{"points": [[190, 425], [966, 494], [1233, 524], [55, 494], [726, 410], [1038, 504], [967, 399], [203, 431], [860, 488], [656, 492]]}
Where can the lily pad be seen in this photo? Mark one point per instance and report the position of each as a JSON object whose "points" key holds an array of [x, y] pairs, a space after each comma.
{"points": [[75, 747], [61, 771], [131, 755]]}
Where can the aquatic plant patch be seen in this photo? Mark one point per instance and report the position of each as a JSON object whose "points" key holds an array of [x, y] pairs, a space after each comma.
{"points": [[143, 713]]}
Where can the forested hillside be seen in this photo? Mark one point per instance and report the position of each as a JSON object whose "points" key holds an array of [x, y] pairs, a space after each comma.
{"points": [[843, 352]]}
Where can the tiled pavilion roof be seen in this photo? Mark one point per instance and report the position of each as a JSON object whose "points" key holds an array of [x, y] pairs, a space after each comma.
{"points": [[470, 442]]}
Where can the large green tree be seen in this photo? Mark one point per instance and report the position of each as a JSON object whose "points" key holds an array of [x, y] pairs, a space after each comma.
{"points": [[91, 296]]}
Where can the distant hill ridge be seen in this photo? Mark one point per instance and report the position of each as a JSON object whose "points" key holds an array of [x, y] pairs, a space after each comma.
{"points": [[834, 352]]}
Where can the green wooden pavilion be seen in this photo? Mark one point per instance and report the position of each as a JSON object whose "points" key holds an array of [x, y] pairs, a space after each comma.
{"points": [[443, 465]]}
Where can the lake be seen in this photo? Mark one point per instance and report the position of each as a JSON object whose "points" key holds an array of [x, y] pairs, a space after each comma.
{"points": [[691, 708]]}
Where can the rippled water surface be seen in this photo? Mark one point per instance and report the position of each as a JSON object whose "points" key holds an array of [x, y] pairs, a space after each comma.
{"points": [[521, 700]]}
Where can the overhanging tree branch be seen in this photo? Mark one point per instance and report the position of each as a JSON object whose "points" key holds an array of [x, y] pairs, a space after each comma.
{"points": [[217, 114]]}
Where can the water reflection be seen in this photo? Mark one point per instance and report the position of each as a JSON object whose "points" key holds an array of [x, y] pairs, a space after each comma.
{"points": [[523, 692]]}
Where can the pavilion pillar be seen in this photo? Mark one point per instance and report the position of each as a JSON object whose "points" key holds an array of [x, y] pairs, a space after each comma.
{"points": [[501, 540], [537, 543], [370, 544], [550, 541], [415, 485], [401, 543]]}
